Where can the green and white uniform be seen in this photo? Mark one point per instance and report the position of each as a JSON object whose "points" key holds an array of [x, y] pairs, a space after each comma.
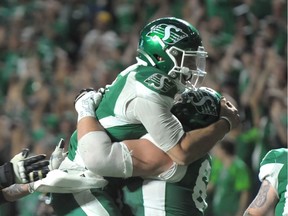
{"points": [[137, 102], [140, 99], [184, 198], [274, 168]]}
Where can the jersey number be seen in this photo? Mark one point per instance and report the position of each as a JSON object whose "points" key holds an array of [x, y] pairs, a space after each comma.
{"points": [[200, 190]]}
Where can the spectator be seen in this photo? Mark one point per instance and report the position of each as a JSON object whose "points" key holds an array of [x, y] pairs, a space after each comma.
{"points": [[230, 181], [40, 59]]}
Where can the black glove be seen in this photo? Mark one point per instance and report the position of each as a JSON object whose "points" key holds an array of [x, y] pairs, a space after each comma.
{"points": [[23, 169]]}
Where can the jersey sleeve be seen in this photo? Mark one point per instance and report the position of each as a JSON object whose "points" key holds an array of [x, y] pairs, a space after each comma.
{"points": [[271, 166], [154, 97], [160, 123]]}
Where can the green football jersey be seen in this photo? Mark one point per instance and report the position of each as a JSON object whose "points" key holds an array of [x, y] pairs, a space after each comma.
{"points": [[184, 198], [274, 169], [151, 88], [137, 102]]}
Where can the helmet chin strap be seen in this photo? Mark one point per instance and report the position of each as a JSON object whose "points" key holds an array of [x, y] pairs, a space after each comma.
{"points": [[182, 74]]}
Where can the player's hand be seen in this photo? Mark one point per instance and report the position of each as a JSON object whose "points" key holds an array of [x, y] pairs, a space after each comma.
{"points": [[57, 156], [87, 101], [28, 169], [230, 113]]}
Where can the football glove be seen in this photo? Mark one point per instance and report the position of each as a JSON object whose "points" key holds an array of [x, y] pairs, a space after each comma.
{"points": [[23, 169], [87, 101], [57, 156]]}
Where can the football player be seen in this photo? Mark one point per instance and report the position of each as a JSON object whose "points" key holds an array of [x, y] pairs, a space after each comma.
{"points": [[272, 195], [187, 196], [195, 109], [170, 58]]}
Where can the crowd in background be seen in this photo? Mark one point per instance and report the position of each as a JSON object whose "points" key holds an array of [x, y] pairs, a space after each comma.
{"points": [[50, 49]]}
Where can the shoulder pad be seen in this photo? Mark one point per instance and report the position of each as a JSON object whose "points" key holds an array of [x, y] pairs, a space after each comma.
{"points": [[156, 80]]}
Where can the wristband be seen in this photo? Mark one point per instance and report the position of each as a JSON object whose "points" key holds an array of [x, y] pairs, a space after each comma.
{"points": [[227, 120], [7, 175]]}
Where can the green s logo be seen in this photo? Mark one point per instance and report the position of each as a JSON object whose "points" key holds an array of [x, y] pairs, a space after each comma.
{"points": [[160, 82], [169, 34]]}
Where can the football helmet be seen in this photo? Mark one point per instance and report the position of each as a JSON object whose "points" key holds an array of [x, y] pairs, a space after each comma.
{"points": [[197, 108], [175, 47]]}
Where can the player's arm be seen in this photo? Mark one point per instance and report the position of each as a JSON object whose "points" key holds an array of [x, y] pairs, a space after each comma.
{"points": [[264, 201], [120, 159], [108, 159], [168, 134], [243, 201], [147, 159], [196, 143], [23, 169], [14, 192]]}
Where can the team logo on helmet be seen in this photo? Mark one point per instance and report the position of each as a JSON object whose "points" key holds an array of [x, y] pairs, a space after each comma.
{"points": [[204, 104], [169, 34]]}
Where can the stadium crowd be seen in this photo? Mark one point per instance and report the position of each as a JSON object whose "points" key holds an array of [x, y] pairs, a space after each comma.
{"points": [[51, 49]]}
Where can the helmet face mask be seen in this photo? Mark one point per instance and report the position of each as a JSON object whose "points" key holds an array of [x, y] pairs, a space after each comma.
{"points": [[189, 66], [175, 47]]}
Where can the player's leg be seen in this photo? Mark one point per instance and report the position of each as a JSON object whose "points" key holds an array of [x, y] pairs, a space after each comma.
{"points": [[147, 158], [89, 202], [153, 197]]}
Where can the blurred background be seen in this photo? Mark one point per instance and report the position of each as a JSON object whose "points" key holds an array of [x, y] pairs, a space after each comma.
{"points": [[50, 49]]}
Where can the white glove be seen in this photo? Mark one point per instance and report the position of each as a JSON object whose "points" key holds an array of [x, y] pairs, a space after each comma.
{"points": [[57, 156], [86, 102]]}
